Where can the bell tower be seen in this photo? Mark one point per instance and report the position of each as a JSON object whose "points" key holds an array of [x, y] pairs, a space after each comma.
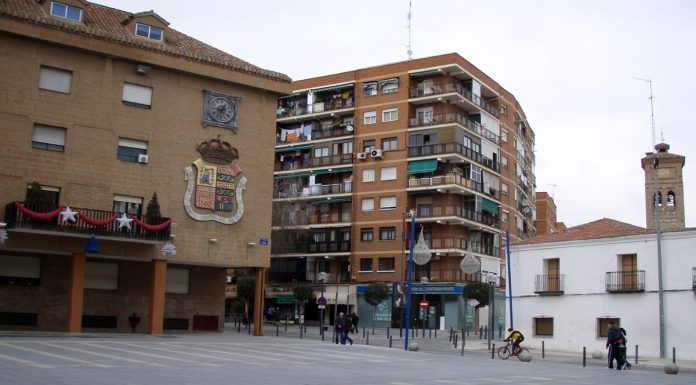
{"points": [[667, 195]]}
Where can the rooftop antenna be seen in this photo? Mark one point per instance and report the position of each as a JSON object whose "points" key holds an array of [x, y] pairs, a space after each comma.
{"points": [[553, 190], [409, 52], [652, 110]]}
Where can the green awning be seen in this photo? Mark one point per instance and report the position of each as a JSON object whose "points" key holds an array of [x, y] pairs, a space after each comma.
{"points": [[331, 201], [333, 170], [335, 88], [384, 82], [426, 73], [490, 206], [285, 299], [421, 166], [291, 176], [296, 148], [292, 95]]}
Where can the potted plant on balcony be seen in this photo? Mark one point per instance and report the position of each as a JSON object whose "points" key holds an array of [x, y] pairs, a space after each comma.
{"points": [[34, 198], [152, 213]]}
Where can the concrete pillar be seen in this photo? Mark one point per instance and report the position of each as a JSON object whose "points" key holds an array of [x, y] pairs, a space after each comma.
{"points": [[158, 285], [258, 300], [76, 294]]}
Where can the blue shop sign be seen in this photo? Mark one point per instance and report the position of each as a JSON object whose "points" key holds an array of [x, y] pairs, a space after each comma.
{"points": [[425, 289]]}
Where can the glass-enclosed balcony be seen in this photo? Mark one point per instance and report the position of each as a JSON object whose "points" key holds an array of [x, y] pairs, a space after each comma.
{"points": [[454, 214], [453, 92], [431, 120], [455, 149]]}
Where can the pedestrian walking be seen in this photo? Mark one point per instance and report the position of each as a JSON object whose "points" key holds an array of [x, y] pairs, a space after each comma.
{"points": [[338, 328], [347, 327], [623, 347], [354, 321], [134, 320], [613, 339]]}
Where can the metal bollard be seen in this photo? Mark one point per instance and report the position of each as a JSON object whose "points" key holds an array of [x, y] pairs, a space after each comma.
{"points": [[286, 325], [455, 341], [636, 354], [542, 349], [435, 333], [363, 332], [463, 340], [451, 331], [390, 342], [276, 329], [430, 333], [388, 336], [413, 333], [485, 330], [674, 355], [301, 331], [367, 340], [584, 356], [467, 330], [480, 332], [493, 352]]}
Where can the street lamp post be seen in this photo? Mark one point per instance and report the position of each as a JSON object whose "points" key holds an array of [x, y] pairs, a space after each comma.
{"points": [[490, 279], [408, 276], [322, 304]]}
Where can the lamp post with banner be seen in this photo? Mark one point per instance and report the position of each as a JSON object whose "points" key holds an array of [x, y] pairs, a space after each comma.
{"points": [[420, 254], [321, 301], [469, 265]]}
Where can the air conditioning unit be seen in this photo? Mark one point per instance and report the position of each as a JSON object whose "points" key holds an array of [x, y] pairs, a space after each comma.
{"points": [[376, 153], [361, 155], [142, 158]]}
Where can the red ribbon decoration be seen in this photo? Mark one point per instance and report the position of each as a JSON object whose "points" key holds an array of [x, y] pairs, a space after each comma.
{"points": [[147, 227], [39, 216], [95, 222]]}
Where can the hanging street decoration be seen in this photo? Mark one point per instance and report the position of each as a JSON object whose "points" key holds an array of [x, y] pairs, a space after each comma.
{"points": [[470, 264], [168, 249], [68, 215], [124, 221], [421, 252]]}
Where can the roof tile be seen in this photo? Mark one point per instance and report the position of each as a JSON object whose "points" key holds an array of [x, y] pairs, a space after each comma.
{"points": [[601, 228]]}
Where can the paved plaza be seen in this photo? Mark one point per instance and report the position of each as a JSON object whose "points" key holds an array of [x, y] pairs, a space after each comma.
{"points": [[237, 358]]}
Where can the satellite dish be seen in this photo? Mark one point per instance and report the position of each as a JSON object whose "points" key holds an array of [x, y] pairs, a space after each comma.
{"points": [[349, 128]]}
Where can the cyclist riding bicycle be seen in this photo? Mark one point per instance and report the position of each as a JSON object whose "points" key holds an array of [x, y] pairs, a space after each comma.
{"points": [[516, 338]]}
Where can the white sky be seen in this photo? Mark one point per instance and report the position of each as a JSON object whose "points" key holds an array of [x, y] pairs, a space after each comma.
{"points": [[569, 63]]}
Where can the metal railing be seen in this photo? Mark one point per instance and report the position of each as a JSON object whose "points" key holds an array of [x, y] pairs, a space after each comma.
{"points": [[630, 281], [460, 242], [431, 211], [319, 107], [317, 134], [314, 190], [314, 162], [446, 88], [329, 218], [312, 247], [549, 284], [452, 148], [17, 219], [453, 118], [439, 180]]}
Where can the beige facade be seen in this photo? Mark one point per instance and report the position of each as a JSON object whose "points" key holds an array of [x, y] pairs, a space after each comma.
{"points": [[126, 96], [663, 178]]}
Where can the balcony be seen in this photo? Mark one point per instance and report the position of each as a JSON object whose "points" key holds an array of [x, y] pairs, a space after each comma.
{"points": [[426, 211], [329, 218], [632, 281], [450, 275], [430, 91], [549, 284], [47, 219], [445, 180], [460, 243], [455, 149], [453, 118], [313, 247], [316, 134], [324, 105], [314, 162], [318, 191]]}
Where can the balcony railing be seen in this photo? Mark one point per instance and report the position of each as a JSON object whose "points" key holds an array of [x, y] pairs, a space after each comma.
{"points": [[430, 211], [314, 162], [446, 88], [456, 242], [312, 247], [314, 190], [549, 284], [631, 281], [329, 218], [449, 179], [451, 275], [452, 148], [315, 135], [18, 219], [453, 118], [319, 107]]}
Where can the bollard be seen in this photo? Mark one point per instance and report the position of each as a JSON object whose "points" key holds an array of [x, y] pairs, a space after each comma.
{"points": [[584, 356], [367, 340], [485, 330], [636, 354], [413, 333], [435, 333], [286, 325], [430, 333], [542, 349], [674, 355], [451, 331], [363, 332], [467, 330], [463, 340], [493, 352], [390, 342], [276, 329], [388, 336], [401, 332], [301, 331], [455, 341], [480, 332]]}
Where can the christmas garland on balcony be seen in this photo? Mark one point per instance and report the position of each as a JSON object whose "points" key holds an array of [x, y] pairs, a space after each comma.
{"points": [[152, 228], [38, 216], [95, 222]]}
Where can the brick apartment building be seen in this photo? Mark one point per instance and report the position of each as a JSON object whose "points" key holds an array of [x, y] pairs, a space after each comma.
{"points": [[103, 108], [356, 151]]}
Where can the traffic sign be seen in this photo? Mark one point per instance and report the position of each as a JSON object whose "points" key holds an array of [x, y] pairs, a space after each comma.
{"points": [[424, 303], [321, 301], [472, 302]]}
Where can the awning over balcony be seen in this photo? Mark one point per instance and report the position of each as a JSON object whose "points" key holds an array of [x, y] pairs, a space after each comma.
{"points": [[337, 200], [333, 170], [335, 88], [421, 166], [490, 206], [425, 73], [292, 176], [292, 95], [384, 82], [296, 148]]}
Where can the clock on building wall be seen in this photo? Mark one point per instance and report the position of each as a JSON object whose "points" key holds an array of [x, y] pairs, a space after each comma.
{"points": [[220, 110]]}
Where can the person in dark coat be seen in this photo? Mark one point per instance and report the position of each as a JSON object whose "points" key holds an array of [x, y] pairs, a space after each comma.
{"points": [[354, 321], [613, 339], [347, 327], [134, 320], [338, 328]]}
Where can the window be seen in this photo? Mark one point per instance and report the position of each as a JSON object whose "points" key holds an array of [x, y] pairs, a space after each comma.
{"points": [[129, 149], [48, 138], [319, 237], [24, 271], [504, 188], [504, 135], [543, 326], [54, 79], [50, 196], [503, 109], [389, 144], [387, 203], [365, 264], [66, 11], [343, 148], [368, 145], [387, 233], [101, 275], [386, 264], [670, 198], [368, 175], [147, 31], [389, 85], [127, 204], [504, 161], [368, 204], [388, 173], [604, 323], [390, 115], [505, 217], [136, 95], [366, 235], [321, 152], [370, 89], [370, 117], [475, 173], [178, 280]]}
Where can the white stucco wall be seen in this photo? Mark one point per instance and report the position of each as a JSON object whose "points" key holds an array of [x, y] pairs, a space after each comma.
{"points": [[584, 265]]}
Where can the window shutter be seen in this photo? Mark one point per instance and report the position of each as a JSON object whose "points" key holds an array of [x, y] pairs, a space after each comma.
{"points": [[137, 94], [49, 135]]}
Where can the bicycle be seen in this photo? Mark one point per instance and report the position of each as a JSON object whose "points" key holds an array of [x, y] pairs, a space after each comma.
{"points": [[504, 352]]}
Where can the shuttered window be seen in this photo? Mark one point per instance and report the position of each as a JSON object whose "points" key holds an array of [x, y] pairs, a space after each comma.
{"points": [[137, 95], [54, 79], [48, 138]]}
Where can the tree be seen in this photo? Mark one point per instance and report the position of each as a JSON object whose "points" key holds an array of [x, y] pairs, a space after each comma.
{"points": [[302, 294], [374, 295], [246, 287], [477, 291], [153, 211], [34, 195]]}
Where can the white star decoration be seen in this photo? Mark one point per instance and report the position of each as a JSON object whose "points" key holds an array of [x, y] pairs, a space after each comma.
{"points": [[124, 221], [68, 215], [3, 236], [168, 249]]}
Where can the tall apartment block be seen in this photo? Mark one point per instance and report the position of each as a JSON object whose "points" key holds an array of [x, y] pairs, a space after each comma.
{"points": [[101, 109], [357, 152]]}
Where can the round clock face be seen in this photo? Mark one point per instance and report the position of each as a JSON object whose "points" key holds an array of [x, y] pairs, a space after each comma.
{"points": [[220, 110]]}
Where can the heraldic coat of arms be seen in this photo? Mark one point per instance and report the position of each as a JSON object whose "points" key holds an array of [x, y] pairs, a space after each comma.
{"points": [[215, 184]]}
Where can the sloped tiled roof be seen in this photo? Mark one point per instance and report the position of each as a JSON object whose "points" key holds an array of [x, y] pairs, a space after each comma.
{"points": [[107, 24], [601, 228]]}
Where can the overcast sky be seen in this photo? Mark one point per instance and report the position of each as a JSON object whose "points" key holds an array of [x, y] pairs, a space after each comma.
{"points": [[570, 64]]}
